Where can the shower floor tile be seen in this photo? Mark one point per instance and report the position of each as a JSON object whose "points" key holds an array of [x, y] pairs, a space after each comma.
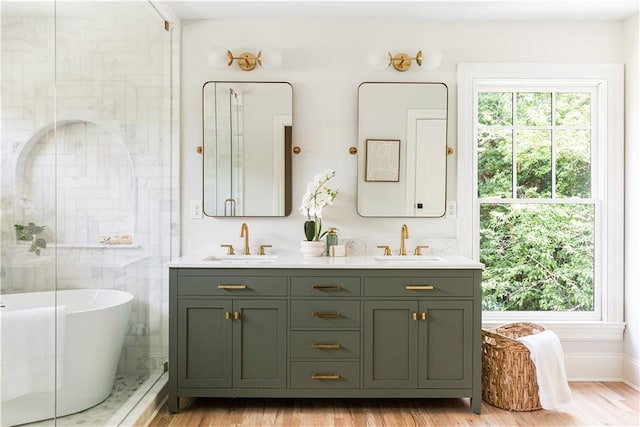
{"points": [[100, 415]]}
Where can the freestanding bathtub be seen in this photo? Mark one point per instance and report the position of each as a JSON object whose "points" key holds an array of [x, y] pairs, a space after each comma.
{"points": [[95, 323]]}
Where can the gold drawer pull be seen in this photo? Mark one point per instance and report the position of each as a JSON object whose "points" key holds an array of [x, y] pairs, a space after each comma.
{"points": [[327, 287], [418, 287], [236, 315], [232, 286], [325, 377], [326, 314], [326, 346]]}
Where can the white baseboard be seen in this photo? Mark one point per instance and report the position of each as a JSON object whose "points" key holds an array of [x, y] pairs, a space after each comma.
{"points": [[603, 367], [593, 366], [631, 371]]}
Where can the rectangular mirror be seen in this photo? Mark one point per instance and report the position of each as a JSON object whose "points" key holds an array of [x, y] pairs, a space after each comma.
{"points": [[402, 138], [247, 148]]}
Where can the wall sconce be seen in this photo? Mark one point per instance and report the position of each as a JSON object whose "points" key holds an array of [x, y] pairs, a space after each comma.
{"points": [[247, 61], [430, 58]]}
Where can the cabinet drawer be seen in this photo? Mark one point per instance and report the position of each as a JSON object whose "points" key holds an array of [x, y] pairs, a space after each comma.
{"points": [[232, 286], [326, 287], [325, 314], [325, 375], [325, 344], [418, 286]]}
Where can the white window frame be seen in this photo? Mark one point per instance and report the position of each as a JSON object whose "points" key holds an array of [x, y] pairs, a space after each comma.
{"points": [[610, 169]]}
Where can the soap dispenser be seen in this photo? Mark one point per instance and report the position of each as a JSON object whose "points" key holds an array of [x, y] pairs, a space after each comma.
{"points": [[332, 238]]}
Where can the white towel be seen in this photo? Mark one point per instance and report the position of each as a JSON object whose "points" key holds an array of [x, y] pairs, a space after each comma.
{"points": [[547, 356], [30, 357]]}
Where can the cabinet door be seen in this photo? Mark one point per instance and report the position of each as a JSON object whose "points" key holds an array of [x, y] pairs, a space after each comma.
{"points": [[390, 340], [259, 344], [445, 344], [204, 343]]}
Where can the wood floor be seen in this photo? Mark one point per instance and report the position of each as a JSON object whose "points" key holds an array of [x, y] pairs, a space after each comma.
{"points": [[613, 404]]}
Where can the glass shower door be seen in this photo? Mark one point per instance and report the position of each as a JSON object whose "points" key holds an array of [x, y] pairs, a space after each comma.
{"points": [[113, 109], [29, 308], [85, 208]]}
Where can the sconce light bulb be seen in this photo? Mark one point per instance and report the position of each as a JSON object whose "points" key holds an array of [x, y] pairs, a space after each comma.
{"points": [[378, 59], [271, 58], [217, 58], [431, 59]]}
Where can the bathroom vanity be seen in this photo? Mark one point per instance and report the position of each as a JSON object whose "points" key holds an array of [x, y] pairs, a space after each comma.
{"points": [[325, 328]]}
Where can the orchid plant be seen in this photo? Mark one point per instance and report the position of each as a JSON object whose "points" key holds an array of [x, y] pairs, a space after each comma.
{"points": [[318, 196]]}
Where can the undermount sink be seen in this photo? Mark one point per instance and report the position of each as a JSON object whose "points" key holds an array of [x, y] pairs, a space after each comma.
{"points": [[409, 258], [241, 259]]}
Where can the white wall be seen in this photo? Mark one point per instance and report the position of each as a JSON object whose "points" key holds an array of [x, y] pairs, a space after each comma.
{"points": [[632, 198], [325, 62]]}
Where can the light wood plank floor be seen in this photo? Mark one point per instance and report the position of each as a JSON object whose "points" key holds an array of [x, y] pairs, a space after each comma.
{"points": [[613, 404]]}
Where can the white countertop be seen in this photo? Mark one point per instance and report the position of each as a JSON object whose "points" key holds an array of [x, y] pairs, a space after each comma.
{"points": [[325, 262]]}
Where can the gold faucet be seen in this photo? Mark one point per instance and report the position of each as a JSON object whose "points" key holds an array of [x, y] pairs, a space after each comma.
{"points": [[244, 232], [404, 234]]}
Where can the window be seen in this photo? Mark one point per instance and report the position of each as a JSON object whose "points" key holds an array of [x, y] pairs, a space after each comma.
{"points": [[535, 182], [540, 191]]}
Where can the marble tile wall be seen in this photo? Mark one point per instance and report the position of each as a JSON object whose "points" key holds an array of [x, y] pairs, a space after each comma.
{"points": [[89, 154]]}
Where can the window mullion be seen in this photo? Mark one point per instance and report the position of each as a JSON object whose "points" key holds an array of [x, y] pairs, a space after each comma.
{"points": [[553, 145], [514, 157]]}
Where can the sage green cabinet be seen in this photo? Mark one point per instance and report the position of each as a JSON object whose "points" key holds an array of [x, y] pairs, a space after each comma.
{"points": [[324, 332], [445, 339], [423, 344], [204, 343], [259, 344], [390, 344], [232, 343]]}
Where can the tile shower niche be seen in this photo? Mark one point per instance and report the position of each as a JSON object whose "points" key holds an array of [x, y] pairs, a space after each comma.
{"points": [[94, 183]]}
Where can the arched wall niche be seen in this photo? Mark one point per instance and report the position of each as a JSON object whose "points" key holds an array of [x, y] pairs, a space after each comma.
{"points": [[77, 178]]}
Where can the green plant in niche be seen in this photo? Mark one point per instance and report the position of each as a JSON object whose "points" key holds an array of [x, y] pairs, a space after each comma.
{"points": [[29, 233]]}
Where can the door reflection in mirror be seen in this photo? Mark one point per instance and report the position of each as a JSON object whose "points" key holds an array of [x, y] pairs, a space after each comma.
{"points": [[414, 115]]}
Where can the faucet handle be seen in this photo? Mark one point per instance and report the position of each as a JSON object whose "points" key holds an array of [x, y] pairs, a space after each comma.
{"points": [[418, 250], [261, 249], [387, 249], [230, 250]]}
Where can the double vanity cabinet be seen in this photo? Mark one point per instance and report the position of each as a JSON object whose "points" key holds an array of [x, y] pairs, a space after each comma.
{"points": [[297, 329]]}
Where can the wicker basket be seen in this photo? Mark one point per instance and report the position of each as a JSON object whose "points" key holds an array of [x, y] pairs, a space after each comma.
{"points": [[508, 374]]}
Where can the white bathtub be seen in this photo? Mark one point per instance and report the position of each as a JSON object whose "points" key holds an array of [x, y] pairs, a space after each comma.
{"points": [[95, 323]]}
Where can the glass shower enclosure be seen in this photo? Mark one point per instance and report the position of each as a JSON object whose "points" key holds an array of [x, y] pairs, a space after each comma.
{"points": [[86, 208]]}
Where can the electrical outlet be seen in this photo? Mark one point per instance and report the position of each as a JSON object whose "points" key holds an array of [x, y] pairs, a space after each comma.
{"points": [[452, 210], [196, 209]]}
